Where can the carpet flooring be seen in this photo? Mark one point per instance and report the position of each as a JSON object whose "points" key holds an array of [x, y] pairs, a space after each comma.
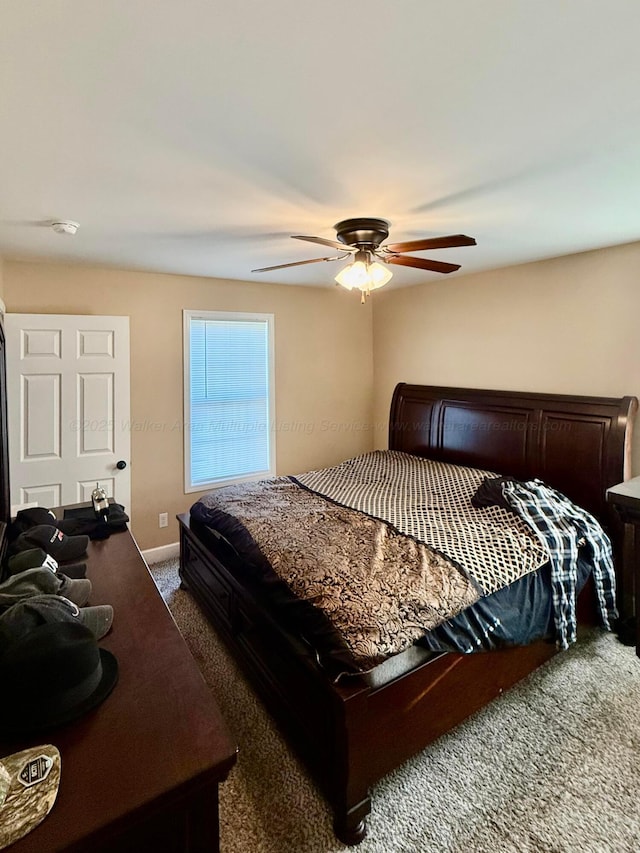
{"points": [[552, 766]]}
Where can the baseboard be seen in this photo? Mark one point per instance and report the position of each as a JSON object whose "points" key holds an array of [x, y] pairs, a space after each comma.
{"points": [[164, 552]]}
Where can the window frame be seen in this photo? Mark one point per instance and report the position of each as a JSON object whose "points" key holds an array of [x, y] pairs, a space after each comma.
{"points": [[269, 319]]}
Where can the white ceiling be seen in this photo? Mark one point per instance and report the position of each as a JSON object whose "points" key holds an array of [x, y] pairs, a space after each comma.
{"points": [[196, 136]]}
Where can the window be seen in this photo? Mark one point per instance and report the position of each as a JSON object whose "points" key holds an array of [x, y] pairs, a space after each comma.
{"points": [[229, 398]]}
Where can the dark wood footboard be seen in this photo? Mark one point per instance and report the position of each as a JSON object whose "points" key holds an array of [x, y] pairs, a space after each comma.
{"points": [[349, 736]]}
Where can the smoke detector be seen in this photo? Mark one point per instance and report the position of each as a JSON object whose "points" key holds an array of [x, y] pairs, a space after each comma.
{"points": [[65, 226]]}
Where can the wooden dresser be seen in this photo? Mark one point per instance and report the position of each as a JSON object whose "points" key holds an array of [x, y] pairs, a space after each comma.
{"points": [[141, 771]]}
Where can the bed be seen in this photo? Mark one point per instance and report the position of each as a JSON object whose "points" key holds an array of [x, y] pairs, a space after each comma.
{"points": [[351, 731]]}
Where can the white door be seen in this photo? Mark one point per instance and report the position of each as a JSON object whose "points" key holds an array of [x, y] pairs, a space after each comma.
{"points": [[68, 404]]}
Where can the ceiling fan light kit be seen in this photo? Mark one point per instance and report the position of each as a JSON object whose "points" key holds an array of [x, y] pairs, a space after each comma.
{"points": [[364, 273], [362, 238]]}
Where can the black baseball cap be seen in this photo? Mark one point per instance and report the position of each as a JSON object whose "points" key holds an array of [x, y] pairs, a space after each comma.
{"points": [[34, 558], [53, 541], [34, 515]]}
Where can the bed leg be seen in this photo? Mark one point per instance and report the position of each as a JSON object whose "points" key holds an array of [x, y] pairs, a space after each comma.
{"points": [[351, 827], [350, 836]]}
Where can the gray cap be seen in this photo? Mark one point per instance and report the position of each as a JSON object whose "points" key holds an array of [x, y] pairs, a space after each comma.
{"points": [[41, 609], [98, 619], [41, 581]]}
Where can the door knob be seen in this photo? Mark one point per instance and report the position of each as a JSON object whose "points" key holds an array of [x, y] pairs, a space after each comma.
{"points": [[121, 465]]}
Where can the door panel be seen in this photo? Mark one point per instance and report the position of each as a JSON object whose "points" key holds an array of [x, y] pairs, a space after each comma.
{"points": [[95, 403], [49, 495], [40, 403], [68, 402]]}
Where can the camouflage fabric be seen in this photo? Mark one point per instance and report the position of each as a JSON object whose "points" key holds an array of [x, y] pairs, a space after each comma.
{"points": [[29, 781]]}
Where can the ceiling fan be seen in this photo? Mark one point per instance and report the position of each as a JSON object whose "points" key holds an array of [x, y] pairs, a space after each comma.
{"points": [[361, 239]]}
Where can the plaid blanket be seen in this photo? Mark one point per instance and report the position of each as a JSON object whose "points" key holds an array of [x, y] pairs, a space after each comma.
{"points": [[563, 527]]}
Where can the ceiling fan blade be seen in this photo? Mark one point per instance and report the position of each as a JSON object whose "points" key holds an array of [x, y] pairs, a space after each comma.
{"points": [[323, 242], [431, 243], [299, 263], [421, 263]]}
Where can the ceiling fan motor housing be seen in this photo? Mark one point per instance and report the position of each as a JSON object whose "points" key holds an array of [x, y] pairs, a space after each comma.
{"points": [[363, 232]]}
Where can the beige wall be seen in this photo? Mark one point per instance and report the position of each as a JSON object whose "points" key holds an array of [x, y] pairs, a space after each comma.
{"points": [[324, 367], [567, 325]]}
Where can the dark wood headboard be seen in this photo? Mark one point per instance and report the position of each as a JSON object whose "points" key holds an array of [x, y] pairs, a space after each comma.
{"points": [[578, 445]]}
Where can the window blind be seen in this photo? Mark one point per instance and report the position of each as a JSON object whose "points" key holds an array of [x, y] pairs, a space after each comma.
{"points": [[229, 398]]}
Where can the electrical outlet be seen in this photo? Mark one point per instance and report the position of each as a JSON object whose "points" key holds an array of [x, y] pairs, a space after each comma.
{"points": [[163, 519]]}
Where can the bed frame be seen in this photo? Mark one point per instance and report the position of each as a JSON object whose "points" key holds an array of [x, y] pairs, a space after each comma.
{"points": [[350, 735]]}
